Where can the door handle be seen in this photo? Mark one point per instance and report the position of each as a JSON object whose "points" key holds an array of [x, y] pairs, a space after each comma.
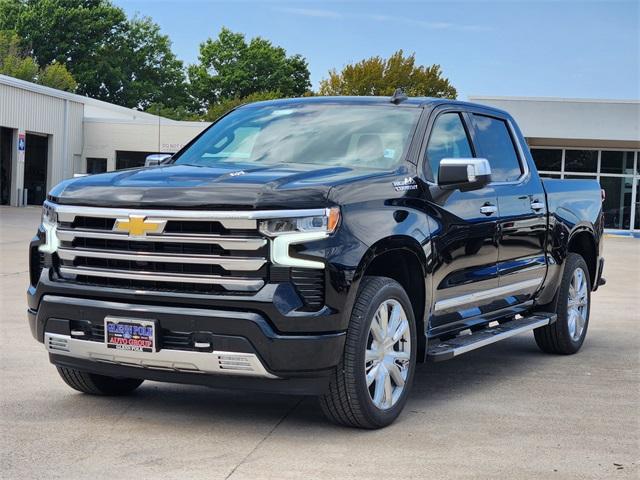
{"points": [[488, 209], [536, 205]]}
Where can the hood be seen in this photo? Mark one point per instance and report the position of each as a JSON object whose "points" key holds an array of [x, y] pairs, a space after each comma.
{"points": [[186, 186]]}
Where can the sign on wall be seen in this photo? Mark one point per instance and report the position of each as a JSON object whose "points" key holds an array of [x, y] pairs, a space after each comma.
{"points": [[22, 145]]}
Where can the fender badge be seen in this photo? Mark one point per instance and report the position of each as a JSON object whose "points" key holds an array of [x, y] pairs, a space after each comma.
{"points": [[407, 183], [238, 173]]}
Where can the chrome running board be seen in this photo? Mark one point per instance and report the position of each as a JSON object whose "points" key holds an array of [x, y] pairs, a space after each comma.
{"points": [[447, 349]]}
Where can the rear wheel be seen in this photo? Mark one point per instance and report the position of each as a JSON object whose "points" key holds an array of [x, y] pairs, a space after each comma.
{"points": [[98, 384], [370, 386], [572, 305]]}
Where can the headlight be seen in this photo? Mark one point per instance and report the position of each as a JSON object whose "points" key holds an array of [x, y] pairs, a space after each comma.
{"points": [[326, 223], [295, 230], [50, 225]]}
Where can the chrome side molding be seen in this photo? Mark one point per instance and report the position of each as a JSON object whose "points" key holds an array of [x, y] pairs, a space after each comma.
{"points": [[471, 298]]}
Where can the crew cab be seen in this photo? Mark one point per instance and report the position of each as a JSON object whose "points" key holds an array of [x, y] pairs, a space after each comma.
{"points": [[320, 246]]}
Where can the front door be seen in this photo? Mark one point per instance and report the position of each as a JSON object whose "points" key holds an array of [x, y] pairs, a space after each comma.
{"points": [[464, 241]]}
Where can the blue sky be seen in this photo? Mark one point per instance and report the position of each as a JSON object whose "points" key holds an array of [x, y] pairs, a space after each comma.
{"points": [[580, 49]]}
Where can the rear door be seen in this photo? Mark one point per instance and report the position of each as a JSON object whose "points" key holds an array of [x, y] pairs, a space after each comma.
{"points": [[522, 221], [464, 238]]}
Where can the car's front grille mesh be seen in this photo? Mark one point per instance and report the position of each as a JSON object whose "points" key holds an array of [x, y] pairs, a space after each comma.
{"points": [[226, 255]]}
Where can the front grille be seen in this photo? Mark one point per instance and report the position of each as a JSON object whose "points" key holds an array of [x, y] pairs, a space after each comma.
{"points": [[190, 253]]}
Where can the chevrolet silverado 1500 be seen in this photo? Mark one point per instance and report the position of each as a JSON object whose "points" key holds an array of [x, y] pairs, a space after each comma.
{"points": [[320, 246]]}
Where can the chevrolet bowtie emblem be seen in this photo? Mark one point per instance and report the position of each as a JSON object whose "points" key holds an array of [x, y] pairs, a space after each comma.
{"points": [[138, 225]]}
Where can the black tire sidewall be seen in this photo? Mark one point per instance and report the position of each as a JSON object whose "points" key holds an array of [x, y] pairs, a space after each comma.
{"points": [[390, 291]]}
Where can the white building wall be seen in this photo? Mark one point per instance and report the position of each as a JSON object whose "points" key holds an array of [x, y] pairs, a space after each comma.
{"points": [[59, 118], [103, 137]]}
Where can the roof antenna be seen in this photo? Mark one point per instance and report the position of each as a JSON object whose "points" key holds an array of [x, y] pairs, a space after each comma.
{"points": [[398, 96]]}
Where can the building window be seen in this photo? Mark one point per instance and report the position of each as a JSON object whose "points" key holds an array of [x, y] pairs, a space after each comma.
{"points": [[581, 161], [96, 165], [616, 162], [547, 159], [617, 204]]}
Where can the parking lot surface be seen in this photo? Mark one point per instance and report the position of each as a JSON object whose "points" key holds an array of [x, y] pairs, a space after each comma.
{"points": [[505, 411]]}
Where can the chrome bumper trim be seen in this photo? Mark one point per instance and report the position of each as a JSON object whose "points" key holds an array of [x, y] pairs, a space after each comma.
{"points": [[243, 285], [216, 362]]}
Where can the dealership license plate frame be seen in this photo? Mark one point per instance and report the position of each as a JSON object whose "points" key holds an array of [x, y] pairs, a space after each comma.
{"points": [[133, 332]]}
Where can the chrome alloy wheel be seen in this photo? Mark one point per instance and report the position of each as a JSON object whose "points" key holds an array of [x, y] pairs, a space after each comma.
{"points": [[388, 354], [577, 304]]}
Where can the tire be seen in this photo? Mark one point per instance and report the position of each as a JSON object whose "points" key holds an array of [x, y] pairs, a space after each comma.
{"points": [[564, 335], [94, 384], [350, 401]]}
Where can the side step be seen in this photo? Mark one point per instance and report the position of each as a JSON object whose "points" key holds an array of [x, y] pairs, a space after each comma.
{"points": [[447, 349]]}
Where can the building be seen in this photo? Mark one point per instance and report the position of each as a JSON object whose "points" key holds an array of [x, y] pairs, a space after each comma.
{"points": [[47, 135]]}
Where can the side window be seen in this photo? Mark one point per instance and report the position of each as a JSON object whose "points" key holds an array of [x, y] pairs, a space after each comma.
{"points": [[494, 142], [448, 139]]}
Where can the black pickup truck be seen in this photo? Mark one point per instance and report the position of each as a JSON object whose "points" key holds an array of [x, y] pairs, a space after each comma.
{"points": [[319, 246]]}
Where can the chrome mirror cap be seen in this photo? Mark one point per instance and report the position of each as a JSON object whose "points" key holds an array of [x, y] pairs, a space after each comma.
{"points": [[156, 159], [464, 173]]}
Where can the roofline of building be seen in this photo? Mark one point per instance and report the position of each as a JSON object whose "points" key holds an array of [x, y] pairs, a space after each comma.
{"points": [[475, 98], [74, 97], [147, 121]]}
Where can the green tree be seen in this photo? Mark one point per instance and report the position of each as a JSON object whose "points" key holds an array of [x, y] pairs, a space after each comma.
{"points": [[57, 76], [231, 68], [379, 76], [15, 62], [127, 62]]}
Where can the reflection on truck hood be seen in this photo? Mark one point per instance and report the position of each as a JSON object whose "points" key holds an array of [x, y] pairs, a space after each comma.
{"points": [[182, 186]]}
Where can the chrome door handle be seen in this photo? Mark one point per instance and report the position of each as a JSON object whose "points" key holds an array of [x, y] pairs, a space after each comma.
{"points": [[536, 205], [488, 209]]}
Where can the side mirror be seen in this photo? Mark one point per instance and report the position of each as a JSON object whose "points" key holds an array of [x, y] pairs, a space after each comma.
{"points": [[464, 173], [156, 159]]}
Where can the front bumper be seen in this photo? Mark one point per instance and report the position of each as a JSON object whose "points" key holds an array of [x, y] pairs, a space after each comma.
{"points": [[245, 350]]}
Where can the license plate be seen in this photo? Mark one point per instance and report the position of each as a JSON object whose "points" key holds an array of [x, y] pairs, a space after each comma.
{"points": [[130, 334]]}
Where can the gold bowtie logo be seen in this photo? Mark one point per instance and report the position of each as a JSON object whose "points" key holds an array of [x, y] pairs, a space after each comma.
{"points": [[139, 226]]}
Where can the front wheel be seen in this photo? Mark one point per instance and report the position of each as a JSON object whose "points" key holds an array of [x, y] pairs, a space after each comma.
{"points": [[572, 305], [370, 386]]}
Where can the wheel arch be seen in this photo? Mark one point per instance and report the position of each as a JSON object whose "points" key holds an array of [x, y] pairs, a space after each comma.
{"points": [[403, 259], [582, 241]]}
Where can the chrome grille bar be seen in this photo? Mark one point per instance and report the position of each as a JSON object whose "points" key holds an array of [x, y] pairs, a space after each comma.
{"points": [[227, 243], [234, 283], [248, 264], [67, 213]]}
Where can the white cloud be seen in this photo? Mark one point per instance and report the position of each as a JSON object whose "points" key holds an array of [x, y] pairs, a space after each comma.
{"points": [[412, 22]]}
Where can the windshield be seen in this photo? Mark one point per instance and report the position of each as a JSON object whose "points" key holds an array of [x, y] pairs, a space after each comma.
{"points": [[375, 137]]}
